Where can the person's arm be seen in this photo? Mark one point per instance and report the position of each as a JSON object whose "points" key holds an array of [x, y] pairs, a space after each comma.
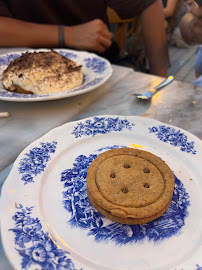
{"points": [[191, 25], [17, 33], [152, 22], [169, 10], [93, 35]]}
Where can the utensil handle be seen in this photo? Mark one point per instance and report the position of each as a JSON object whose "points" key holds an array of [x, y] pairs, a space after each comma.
{"points": [[164, 83]]}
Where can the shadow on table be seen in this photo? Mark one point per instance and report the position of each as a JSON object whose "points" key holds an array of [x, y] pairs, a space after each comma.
{"points": [[139, 106]]}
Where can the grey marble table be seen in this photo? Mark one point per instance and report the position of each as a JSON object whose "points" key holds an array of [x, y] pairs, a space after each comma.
{"points": [[178, 104]]}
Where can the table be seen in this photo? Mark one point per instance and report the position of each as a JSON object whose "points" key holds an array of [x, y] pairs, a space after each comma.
{"points": [[178, 104]]}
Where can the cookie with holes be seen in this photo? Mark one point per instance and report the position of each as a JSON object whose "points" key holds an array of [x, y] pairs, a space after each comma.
{"points": [[130, 186]]}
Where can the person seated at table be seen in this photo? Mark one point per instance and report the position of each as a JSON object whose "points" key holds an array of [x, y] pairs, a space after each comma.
{"points": [[81, 25], [191, 30], [173, 11]]}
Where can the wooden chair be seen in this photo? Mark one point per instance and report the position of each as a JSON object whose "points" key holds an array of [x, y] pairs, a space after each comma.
{"points": [[122, 28], [128, 29]]}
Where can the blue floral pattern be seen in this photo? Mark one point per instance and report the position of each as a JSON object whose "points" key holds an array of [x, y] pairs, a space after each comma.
{"points": [[5, 93], [84, 215], [101, 125], [198, 267], [35, 161], [6, 59], [35, 246], [174, 137], [96, 64], [69, 55]]}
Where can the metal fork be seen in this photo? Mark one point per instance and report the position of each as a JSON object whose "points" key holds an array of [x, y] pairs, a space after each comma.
{"points": [[154, 90]]}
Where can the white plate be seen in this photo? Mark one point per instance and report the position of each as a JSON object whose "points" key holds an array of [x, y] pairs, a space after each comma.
{"points": [[48, 222], [97, 70]]}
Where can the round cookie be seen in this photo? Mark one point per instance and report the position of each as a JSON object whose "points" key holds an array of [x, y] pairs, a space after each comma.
{"points": [[128, 221], [130, 183]]}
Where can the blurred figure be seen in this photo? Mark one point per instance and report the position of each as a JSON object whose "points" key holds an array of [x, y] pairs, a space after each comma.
{"points": [[174, 8], [191, 29], [81, 25], [173, 11], [198, 62], [189, 3], [191, 25], [169, 7]]}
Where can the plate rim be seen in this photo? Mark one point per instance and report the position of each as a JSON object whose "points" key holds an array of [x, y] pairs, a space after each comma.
{"points": [[52, 131], [58, 95]]}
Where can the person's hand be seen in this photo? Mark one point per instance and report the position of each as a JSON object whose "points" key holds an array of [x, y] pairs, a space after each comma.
{"points": [[196, 24], [92, 36]]}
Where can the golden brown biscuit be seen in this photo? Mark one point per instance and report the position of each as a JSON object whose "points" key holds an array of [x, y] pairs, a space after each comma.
{"points": [[129, 221], [130, 183]]}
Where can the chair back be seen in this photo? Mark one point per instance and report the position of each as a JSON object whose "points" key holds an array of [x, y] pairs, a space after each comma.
{"points": [[122, 28]]}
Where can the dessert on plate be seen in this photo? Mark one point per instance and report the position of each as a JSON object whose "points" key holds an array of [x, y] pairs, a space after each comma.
{"points": [[130, 186], [40, 73]]}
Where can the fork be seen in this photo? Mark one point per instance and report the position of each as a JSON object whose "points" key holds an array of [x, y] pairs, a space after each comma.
{"points": [[154, 90]]}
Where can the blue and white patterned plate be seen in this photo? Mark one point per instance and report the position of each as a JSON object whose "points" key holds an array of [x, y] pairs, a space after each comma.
{"points": [[47, 221], [97, 71]]}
